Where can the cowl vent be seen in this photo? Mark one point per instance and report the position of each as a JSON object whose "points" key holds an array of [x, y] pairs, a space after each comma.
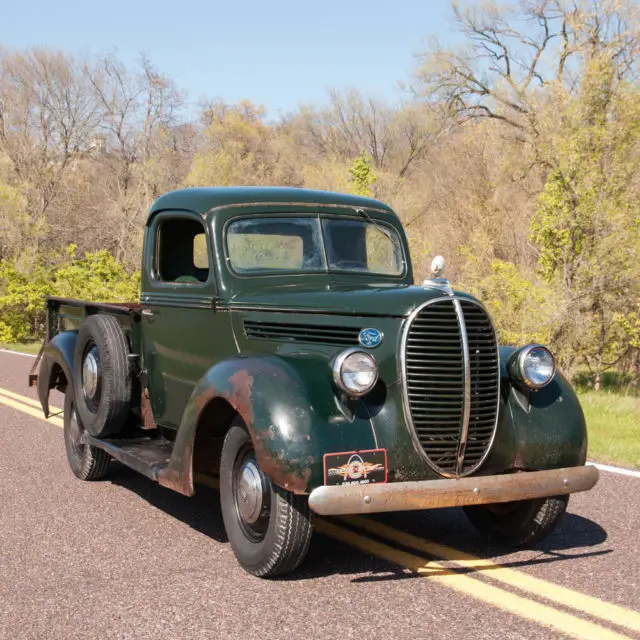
{"points": [[292, 332]]}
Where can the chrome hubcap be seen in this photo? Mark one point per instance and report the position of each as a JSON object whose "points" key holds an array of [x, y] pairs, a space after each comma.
{"points": [[249, 492], [90, 375], [74, 427], [75, 433]]}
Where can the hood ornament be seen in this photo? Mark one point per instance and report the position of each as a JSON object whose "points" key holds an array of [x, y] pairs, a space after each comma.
{"points": [[437, 266], [437, 279]]}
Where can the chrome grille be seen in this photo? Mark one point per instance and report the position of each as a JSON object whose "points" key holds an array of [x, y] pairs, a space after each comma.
{"points": [[439, 386]]}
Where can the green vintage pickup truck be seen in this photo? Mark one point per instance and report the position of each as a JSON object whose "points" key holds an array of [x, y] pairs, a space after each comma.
{"points": [[281, 346]]}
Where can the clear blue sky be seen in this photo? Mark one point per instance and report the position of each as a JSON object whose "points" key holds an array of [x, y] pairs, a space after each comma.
{"points": [[279, 54]]}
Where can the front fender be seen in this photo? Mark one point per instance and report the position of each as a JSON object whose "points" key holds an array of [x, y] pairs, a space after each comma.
{"points": [[291, 424], [58, 352], [537, 430]]}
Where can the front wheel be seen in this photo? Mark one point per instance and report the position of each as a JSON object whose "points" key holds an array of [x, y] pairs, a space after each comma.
{"points": [[86, 462], [269, 528], [518, 524]]}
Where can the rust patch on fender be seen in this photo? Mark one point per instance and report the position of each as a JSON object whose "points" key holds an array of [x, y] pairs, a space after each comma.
{"points": [[180, 480], [203, 400], [294, 480], [241, 394]]}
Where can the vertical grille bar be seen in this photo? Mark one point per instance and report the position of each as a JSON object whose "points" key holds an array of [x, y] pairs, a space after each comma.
{"points": [[466, 412], [449, 361]]}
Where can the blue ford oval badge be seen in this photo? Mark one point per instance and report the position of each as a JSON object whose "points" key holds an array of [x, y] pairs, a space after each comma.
{"points": [[370, 338]]}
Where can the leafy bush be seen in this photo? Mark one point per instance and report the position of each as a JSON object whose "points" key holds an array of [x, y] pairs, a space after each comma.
{"points": [[21, 301], [96, 276]]}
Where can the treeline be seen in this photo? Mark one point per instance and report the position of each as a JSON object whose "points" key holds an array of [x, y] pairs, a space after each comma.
{"points": [[516, 156]]}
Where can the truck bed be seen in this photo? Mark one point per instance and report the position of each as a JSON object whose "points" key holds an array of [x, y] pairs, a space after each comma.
{"points": [[67, 314]]}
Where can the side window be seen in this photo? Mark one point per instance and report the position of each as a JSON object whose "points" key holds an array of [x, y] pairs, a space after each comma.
{"points": [[182, 251]]}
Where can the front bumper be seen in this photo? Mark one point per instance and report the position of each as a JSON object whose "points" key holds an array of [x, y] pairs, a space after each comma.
{"points": [[434, 494]]}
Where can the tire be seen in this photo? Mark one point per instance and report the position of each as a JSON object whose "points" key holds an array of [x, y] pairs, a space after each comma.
{"points": [[279, 540], [101, 378], [518, 524], [86, 462]]}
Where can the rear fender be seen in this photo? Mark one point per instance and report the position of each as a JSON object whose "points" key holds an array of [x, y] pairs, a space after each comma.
{"points": [[57, 359], [274, 403]]}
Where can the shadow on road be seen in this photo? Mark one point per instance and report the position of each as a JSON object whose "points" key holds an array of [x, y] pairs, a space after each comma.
{"points": [[201, 512], [575, 537]]}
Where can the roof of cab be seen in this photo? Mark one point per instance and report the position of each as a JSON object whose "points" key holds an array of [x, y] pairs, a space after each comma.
{"points": [[204, 199]]}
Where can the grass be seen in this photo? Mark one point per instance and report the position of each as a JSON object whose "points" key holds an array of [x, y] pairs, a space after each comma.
{"points": [[22, 347], [613, 423]]}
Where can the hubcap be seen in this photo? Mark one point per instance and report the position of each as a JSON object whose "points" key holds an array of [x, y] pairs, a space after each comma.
{"points": [[249, 492], [75, 432], [90, 375]]}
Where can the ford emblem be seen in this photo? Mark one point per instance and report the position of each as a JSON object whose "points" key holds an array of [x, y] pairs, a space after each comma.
{"points": [[370, 338]]}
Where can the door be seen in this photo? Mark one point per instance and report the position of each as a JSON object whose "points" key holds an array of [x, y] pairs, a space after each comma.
{"points": [[182, 333]]}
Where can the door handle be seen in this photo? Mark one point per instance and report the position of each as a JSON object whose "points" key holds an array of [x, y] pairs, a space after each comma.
{"points": [[147, 313]]}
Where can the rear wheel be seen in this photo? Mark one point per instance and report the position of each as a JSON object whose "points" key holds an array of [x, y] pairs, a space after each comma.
{"points": [[269, 529], [86, 462], [518, 524]]}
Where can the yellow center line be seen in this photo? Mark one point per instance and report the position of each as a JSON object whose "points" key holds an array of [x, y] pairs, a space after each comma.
{"points": [[30, 410], [441, 574], [27, 400], [557, 594], [536, 612]]}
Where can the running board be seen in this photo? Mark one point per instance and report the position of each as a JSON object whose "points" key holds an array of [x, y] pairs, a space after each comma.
{"points": [[147, 456]]}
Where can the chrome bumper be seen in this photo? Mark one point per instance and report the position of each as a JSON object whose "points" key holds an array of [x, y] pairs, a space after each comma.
{"points": [[434, 494]]}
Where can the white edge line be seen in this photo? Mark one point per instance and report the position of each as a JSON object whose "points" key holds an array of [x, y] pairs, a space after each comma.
{"points": [[619, 470], [18, 353]]}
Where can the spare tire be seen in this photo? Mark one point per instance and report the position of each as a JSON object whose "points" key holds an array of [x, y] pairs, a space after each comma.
{"points": [[101, 377]]}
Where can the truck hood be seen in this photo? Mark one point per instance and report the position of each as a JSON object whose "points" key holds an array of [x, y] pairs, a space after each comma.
{"points": [[364, 300]]}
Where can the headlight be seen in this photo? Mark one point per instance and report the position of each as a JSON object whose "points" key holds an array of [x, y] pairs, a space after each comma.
{"points": [[355, 372], [533, 366]]}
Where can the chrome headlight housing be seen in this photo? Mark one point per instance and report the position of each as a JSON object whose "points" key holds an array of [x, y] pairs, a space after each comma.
{"points": [[355, 372], [532, 366]]}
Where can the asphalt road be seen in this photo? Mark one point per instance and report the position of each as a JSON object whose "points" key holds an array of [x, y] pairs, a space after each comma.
{"points": [[125, 558]]}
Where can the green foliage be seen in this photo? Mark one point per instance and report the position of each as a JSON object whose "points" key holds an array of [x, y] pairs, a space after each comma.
{"points": [[586, 223], [555, 229], [630, 324], [96, 276], [21, 301], [363, 176], [522, 309]]}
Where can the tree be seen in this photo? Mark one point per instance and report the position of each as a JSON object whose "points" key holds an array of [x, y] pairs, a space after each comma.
{"points": [[560, 76], [363, 176], [47, 114]]}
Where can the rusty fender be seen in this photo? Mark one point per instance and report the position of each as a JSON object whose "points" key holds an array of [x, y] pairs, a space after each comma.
{"points": [[58, 351], [287, 427]]}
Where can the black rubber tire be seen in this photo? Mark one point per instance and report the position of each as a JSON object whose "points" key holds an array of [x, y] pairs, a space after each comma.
{"points": [[110, 414], [518, 524], [86, 462], [289, 529]]}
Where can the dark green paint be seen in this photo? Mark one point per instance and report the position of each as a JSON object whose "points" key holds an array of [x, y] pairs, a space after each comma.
{"points": [[194, 352]]}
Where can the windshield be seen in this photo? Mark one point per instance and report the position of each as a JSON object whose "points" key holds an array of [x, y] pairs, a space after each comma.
{"points": [[305, 244]]}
